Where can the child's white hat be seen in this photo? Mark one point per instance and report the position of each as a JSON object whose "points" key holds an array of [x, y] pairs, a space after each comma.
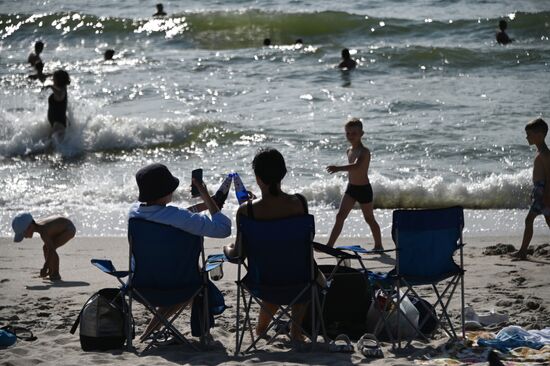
{"points": [[20, 224]]}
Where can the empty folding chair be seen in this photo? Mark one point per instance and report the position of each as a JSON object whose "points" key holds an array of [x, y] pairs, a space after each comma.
{"points": [[426, 241]]}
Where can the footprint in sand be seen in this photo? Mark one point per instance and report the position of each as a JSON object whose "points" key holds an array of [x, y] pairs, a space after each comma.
{"points": [[43, 314], [4, 280], [44, 298]]}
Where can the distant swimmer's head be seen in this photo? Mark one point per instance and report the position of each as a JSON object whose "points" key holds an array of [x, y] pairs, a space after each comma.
{"points": [[502, 25], [354, 130], [108, 55], [155, 182], [160, 10], [61, 78], [536, 131], [38, 47], [270, 169], [267, 42], [299, 41], [345, 54]]}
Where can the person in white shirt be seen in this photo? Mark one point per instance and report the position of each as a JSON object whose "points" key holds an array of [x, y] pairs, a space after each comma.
{"points": [[156, 185]]}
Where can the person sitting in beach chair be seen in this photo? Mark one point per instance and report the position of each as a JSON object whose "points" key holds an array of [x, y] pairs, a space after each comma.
{"points": [[165, 245], [275, 226]]}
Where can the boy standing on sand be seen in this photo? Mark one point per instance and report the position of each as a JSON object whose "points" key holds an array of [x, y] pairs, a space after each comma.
{"points": [[54, 232], [359, 188], [536, 131]]}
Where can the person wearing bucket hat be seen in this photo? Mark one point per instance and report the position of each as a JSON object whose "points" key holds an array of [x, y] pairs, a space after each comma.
{"points": [[54, 231], [156, 185]]}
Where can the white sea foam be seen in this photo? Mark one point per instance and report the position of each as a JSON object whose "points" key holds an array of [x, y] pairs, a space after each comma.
{"points": [[496, 191]]}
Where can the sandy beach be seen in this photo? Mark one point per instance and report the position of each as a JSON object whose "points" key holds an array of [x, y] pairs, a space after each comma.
{"points": [[519, 289]]}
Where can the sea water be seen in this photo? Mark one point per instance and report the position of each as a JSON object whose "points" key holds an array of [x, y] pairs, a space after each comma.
{"points": [[443, 106]]}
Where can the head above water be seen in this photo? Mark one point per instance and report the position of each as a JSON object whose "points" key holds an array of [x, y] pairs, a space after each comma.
{"points": [[502, 25], [108, 55], [269, 166], [38, 47], [61, 78], [160, 7], [267, 42], [537, 126], [345, 54]]}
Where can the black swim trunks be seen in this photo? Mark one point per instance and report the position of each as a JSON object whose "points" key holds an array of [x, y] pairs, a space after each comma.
{"points": [[362, 194]]}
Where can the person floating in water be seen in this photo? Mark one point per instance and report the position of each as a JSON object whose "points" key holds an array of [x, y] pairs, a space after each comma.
{"points": [[160, 11], [34, 57], [267, 42], [108, 55], [536, 131], [502, 37], [347, 62], [57, 102], [39, 66]]}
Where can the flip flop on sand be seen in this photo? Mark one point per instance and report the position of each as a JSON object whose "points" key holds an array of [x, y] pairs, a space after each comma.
{"points": [[341, 344], [369, 346]]}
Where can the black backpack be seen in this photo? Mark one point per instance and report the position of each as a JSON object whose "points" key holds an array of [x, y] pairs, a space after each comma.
{"points": [[102, 321], [346, 303]]}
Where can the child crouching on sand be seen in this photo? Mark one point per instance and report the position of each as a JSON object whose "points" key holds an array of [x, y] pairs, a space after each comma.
{"points": [[359, 188], [536, 131], [54, 231]]}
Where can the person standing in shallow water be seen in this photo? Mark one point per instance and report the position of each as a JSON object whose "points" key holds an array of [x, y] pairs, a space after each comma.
{"points": [[34, 57], [57, 102], [502, 37], [347, 62]]}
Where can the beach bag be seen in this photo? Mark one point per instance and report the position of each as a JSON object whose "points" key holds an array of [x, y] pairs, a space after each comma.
{"points": [[102, 321], [345, 304], [427, 315], [392, 325]]}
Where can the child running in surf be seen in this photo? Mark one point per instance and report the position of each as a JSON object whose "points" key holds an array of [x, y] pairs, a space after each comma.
{"points": [[57, 102], [359, 188]]}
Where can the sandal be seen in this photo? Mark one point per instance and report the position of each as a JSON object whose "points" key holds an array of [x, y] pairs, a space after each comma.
{"points": [[20, 332], [341, 344], [369, 346]]}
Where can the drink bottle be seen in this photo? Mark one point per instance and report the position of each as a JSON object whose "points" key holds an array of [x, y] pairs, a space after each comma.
{"points": [[240, 190], [223, 191], [217, 273]]}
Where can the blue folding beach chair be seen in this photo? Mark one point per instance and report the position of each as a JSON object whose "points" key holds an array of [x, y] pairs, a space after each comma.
{"points": [[280, 270], [426, 241], [165, 271]]}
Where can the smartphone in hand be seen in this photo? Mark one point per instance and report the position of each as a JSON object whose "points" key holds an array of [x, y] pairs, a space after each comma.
{"points": [[197, 175]]}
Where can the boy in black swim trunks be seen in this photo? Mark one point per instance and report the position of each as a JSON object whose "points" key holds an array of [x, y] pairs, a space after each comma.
{"points": [[359, 188]]}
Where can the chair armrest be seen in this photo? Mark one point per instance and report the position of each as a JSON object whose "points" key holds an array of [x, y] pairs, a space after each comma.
{"points": [[107, 266], [214, 261], [333, 252], [360, 249]]}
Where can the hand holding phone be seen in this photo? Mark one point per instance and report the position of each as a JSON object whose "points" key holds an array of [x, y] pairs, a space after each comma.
{"points": [[197, 176]]}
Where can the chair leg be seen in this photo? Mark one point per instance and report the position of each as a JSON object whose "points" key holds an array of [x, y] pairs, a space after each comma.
{"points": [[238, 318]]}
